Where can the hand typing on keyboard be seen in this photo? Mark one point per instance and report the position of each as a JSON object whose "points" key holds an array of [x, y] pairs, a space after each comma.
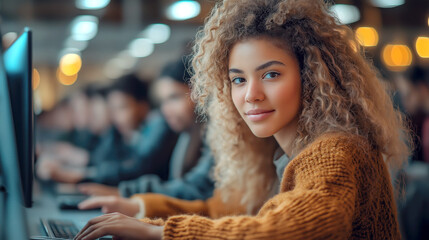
{"points": [[121, 226]]}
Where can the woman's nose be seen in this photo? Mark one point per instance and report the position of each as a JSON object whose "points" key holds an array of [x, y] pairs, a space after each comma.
{"points": [[254, 91]]}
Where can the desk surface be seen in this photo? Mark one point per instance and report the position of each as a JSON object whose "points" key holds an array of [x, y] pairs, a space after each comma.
{"points": [[45, 206]]}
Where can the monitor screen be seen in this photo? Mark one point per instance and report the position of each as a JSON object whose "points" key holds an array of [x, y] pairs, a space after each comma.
{"points": [[12, 218], [18, 65]]}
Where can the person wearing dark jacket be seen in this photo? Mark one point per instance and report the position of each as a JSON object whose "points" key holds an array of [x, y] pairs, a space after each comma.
{"points": [[141, 142], [191, 162]]}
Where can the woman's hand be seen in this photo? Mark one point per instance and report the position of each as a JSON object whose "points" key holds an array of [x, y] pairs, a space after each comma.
{"points": [[110, 204], [96, 189], [120, 227]]}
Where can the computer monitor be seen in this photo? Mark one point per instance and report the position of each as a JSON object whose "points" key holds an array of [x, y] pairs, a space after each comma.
{"points": [[18, 66], [13, 224]]}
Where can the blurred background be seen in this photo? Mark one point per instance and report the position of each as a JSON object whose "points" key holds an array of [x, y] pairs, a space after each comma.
{"points": [[110, 37], [81, 43], [113, 37]]}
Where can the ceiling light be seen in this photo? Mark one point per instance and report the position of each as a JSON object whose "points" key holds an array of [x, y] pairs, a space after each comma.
{"points": [[64, 79], [157, 33], [84, 28], [345, 13], [92, 4], [182, 10], [367, 36], [387, 3], [422, 47], [397, 57], [70, 64], [141, 47]]}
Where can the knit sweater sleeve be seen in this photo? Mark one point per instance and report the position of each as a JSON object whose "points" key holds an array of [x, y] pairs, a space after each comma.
{"points": [[161, 206], [317, 201]]}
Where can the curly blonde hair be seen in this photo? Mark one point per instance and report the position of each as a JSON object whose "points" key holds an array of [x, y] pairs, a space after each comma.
{"points": [[341, 91]]}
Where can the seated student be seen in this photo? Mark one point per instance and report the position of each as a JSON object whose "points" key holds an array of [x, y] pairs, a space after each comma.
{"points": [[289, 101], [80, 136], [98, 125], [148, 140], [52, 125], [189, 167], [71, 148], [99, 118]]}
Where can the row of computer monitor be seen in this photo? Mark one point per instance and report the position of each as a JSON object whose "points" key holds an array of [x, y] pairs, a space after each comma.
{"points": [[16, 134]]}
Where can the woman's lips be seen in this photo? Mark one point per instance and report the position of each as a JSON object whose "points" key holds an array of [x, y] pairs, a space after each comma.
{"points": [[258, 114]]}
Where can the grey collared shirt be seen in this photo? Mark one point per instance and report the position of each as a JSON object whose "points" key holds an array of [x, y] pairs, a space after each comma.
{"points": [[281, 160]]}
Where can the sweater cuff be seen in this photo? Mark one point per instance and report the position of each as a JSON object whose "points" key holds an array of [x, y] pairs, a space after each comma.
{"points": [[142, 210], [152, 201]]}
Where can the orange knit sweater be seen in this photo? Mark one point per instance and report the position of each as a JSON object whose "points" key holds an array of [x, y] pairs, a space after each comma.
{"points": [[336, 188]]}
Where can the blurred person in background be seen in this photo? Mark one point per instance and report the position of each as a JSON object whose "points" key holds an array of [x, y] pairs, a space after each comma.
{"points": [[98, 125], [139, 142], [99, 118], [413, 88], [79, 138], [73, 145], [191, 162], [419, 79], [53, 124], [81, 135]]}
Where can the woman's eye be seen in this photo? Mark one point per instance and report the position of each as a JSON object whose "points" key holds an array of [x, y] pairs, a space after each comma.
{"points": [[238, 80], [271, 75]]}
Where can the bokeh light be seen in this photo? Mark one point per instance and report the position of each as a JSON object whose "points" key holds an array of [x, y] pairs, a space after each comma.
{"points": [[70, 64], [367, 36], [422, 47], [182, 10], [158, 33], [346, 13], [36, 79], [92, 4], [84, 27], [64, 79], [397, 57], [141, 47], [387, 3]]}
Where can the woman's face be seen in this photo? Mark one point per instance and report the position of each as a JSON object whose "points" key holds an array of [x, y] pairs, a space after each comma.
{"points": [[265, 85]]}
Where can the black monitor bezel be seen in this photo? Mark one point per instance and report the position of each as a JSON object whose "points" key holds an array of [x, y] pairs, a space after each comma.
{"points": [[24, 133]]}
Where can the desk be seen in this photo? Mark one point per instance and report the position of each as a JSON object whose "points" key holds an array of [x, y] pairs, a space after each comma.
{"points": [[45, 206]]}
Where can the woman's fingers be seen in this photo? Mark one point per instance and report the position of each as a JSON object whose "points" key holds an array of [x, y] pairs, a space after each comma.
{"points": [[90, 226], [96, 202], [119, 226], [108, 224]]}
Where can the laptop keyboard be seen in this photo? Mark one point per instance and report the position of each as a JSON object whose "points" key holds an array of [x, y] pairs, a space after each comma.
{"points": [[60, 228]]}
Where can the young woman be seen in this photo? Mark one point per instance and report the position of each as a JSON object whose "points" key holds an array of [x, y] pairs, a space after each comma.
{"points": [[279, 77]]}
